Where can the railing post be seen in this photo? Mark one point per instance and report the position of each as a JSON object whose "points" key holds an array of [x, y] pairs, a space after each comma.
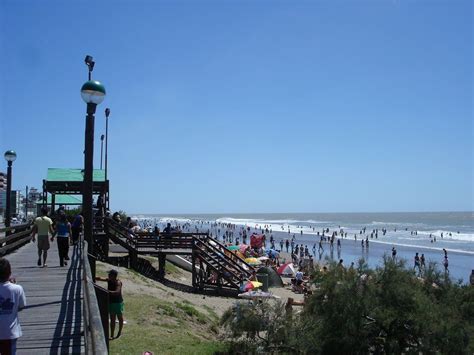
{"points": [[161, 265]]}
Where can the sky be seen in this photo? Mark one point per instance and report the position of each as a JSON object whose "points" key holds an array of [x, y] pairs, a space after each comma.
{"points": [[247, 106]]}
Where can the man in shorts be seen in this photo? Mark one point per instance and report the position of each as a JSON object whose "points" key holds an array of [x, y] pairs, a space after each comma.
{"points": [[42, 226]]}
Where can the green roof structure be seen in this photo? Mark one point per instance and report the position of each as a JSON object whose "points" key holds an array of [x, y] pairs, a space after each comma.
{"points": [[69, 182], [64, 200], [56, 174]]}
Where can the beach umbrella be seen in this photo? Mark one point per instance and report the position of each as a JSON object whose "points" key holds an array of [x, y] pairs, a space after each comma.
{"points": [[287, 269], [233, 247], [252, 261], [251, 285], [257, 295]]}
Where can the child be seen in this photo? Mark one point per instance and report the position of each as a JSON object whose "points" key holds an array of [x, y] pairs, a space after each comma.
{"points": [[114, 286], [12, 300]]}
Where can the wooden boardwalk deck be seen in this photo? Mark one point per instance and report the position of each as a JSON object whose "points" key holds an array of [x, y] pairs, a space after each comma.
{"points": [[52, 321]]}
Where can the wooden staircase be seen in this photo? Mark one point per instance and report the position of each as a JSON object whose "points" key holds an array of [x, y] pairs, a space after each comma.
{"points": [[213, 265]]}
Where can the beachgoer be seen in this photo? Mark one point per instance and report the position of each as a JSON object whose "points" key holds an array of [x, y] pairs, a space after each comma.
{"points": [[422, 261], [417, 262], [63, 231], [42, 226], [114, 286], [394, 253], [12, 300], [76, 228], [446, 263]]}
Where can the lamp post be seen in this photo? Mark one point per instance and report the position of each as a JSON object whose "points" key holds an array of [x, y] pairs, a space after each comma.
{"points": [[93, 93], [101, 149], [10, 157], [107, 114]]}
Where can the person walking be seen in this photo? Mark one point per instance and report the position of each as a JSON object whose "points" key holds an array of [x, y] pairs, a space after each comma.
{"points": [[42, 226], [12, 300], [417, 263], [114, 286], [76, 228], [63, 231], [394, 253]]}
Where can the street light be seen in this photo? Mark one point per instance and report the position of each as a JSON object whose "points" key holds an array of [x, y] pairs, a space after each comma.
{"points": [[10, 157], [90, 63], [107, 114], [93, 93], [101, 149]]}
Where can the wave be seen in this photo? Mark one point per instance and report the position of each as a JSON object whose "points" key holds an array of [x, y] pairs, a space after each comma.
{"points": [[251, 221], [423, 247]]}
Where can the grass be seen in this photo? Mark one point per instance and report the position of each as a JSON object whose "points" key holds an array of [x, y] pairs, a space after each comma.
{"points": [[165, 328]]}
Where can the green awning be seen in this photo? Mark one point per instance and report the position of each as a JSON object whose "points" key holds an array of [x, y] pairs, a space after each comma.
{"points": [[64, 200], [56, 174]]}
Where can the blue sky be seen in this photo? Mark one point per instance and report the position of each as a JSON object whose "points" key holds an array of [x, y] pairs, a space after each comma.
{"points": [[248, 106]]}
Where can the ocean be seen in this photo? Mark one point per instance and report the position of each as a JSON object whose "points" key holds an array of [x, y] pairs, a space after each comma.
{"points": [[435, 231]]}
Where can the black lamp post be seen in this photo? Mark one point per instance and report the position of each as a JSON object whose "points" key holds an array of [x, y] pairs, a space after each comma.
{"points": [[10, 157], [93, 93], [101, 149], [107, 114]]}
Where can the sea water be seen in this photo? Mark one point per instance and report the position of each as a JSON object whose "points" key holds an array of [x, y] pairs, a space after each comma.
{"points": [[457, 229]]}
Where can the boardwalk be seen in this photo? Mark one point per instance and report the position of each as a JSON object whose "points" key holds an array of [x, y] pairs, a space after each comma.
{"points": [[52, 321]]}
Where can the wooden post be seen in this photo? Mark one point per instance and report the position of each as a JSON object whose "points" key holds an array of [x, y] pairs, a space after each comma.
{"points": [[161, 265]]}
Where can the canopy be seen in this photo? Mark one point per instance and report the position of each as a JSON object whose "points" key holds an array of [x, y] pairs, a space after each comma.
{"points": [[70, 181], [64, 200], [287, 269], [57, 174]]}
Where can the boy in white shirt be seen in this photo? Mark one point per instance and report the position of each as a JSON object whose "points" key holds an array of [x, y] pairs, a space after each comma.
{"points": [[12, 300]]}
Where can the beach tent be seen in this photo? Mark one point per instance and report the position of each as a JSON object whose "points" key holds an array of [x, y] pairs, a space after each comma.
{"points": [[274, 280], [256, 240], [287, 270]]}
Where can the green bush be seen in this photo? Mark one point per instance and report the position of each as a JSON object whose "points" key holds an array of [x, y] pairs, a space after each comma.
{"points": [[358, 311]]}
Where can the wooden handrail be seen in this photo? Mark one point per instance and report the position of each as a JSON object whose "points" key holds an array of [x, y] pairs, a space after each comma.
{"points": [[14, 240], [93, 329]]}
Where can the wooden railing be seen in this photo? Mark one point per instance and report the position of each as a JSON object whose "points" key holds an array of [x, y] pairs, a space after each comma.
{"points": [[207, 254], [14, 237], [96, 338]]}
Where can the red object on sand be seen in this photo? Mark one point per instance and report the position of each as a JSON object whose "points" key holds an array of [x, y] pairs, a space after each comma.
{"points": [[256, 240], [287, 269]]}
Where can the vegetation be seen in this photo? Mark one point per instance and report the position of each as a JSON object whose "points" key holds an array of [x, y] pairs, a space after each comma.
{"points": [[358, 311], [165, 328]]}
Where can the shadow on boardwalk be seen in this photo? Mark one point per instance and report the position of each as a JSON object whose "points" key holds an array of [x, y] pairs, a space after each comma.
{"points": [[52, 321]]}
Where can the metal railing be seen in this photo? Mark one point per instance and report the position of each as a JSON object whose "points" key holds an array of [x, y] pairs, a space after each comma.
{"points": [[95, 337]]}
